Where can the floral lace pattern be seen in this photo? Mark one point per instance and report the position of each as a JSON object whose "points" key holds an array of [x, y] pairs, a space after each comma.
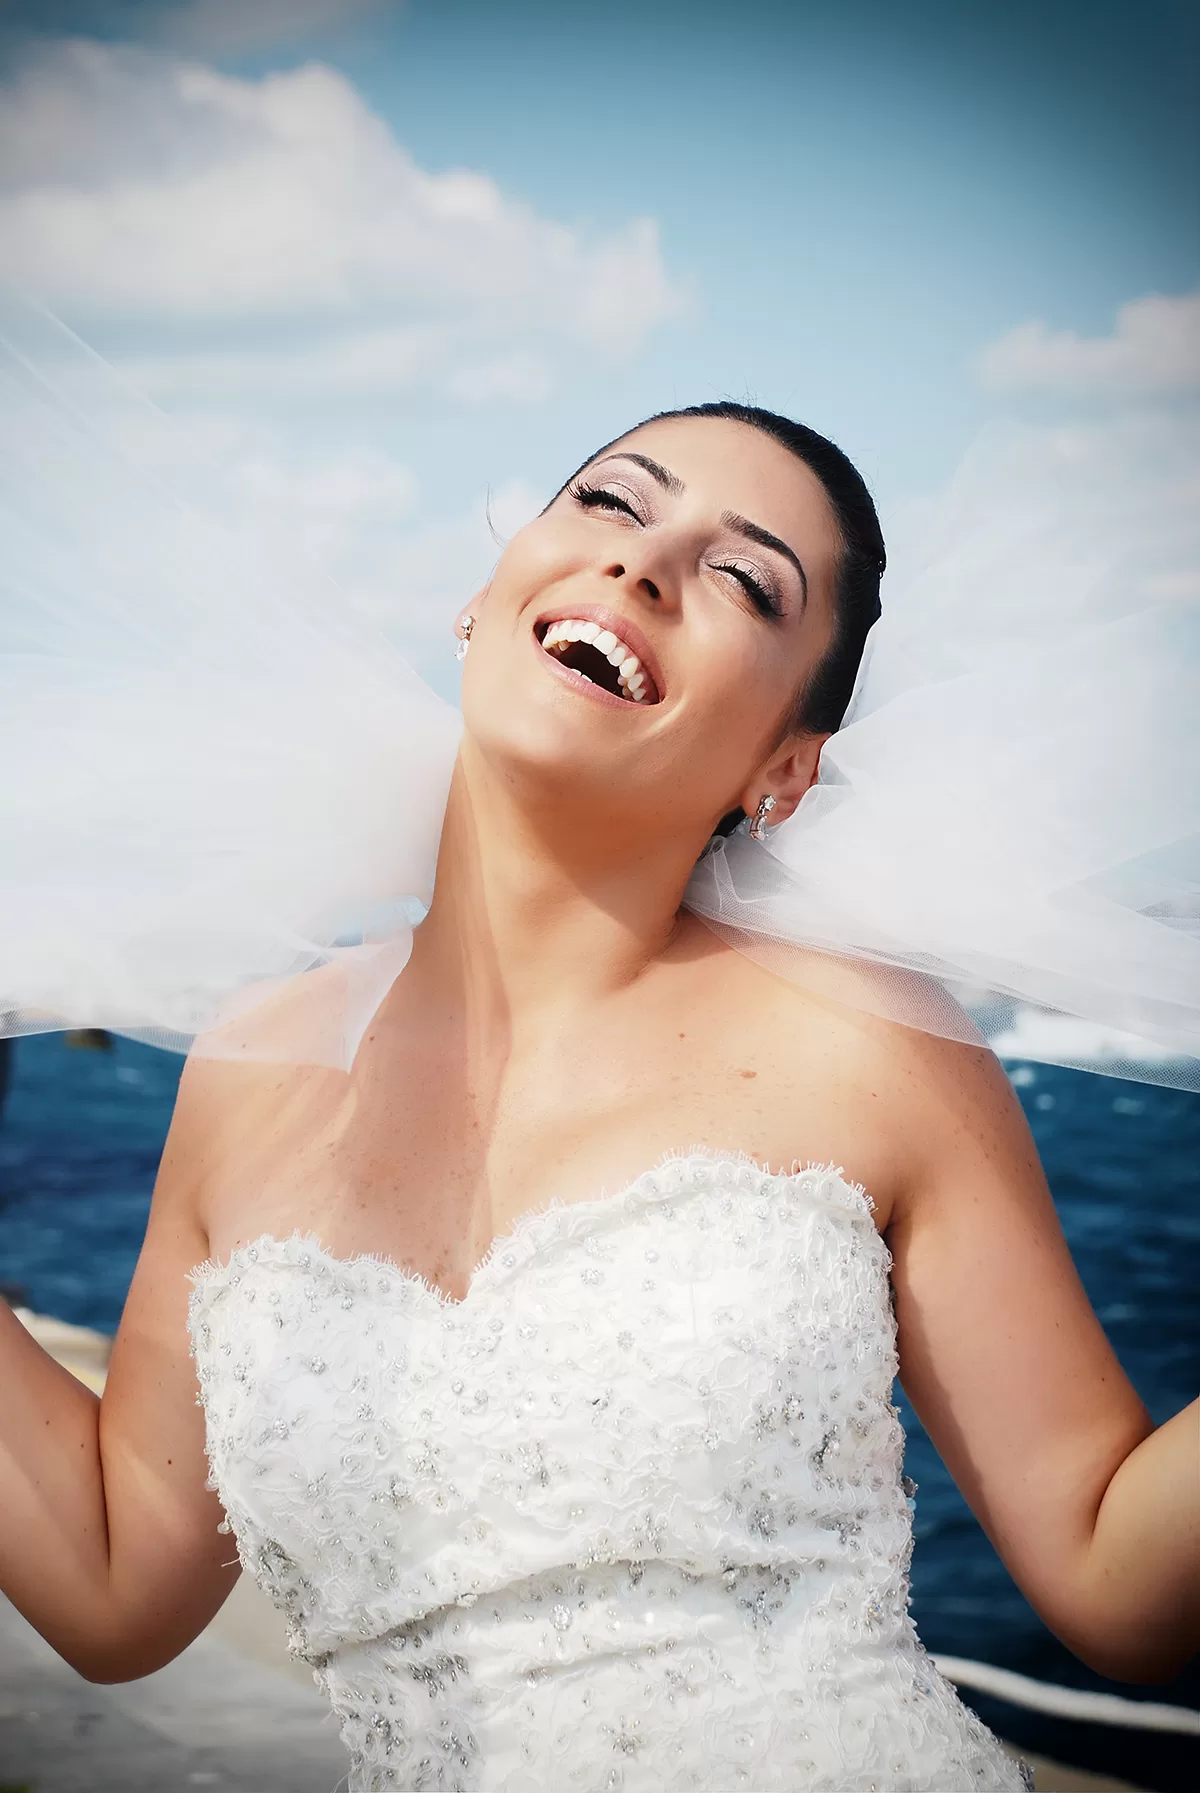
{"points": [[629, 1517]]}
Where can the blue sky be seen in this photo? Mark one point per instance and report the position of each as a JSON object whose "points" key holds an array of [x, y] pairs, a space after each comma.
{"points": [[894, 221], [858, 197]]}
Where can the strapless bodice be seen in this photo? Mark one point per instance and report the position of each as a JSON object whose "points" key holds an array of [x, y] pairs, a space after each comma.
{"points": [[628, 1517]]}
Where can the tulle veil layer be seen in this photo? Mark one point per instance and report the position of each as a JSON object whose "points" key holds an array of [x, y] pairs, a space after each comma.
{"points": [[218, 777]]}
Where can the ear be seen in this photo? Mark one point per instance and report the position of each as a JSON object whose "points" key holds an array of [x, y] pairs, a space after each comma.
{"points": [[789, 772]]}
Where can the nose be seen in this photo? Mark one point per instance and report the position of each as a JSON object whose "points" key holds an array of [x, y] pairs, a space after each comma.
{"points": [[643, 582], [652, 564]]}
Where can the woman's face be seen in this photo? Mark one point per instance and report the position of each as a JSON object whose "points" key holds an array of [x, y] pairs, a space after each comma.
{"points": [[709, 553]]}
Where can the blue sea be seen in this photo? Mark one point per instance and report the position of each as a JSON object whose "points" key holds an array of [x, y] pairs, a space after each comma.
{"points": [[80, 1140]]}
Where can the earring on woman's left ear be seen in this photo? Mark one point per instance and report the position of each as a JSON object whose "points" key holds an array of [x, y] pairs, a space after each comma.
{"points": [[758, 827], [460, 652]]}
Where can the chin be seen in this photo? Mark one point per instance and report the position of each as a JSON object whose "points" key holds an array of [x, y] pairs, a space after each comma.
{"points": [[541, 744]]}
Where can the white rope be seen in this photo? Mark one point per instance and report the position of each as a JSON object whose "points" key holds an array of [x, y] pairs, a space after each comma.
{"points": [[1068, 1702]]}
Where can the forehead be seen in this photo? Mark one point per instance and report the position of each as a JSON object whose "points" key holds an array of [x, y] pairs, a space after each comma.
{"points": [[731, 466]]}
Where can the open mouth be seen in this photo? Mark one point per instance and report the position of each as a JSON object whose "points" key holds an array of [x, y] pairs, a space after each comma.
{"points": [[599, 655]]}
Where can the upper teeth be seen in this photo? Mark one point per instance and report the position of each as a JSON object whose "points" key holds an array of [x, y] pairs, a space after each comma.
{"points": [[632, 679]]}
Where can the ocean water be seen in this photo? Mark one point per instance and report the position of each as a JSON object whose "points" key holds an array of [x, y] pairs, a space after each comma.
{"points": [[80, 1140]]}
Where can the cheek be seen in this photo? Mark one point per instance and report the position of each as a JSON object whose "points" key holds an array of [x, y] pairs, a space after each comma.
{"points": [[534, 558], [745, 688], [739, 682]]}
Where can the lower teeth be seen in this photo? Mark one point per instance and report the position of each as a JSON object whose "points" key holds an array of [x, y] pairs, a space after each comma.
{"points": [[622, 690]]}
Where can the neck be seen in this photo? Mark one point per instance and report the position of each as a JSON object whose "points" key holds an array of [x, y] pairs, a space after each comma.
{"points": [[539, 910]]}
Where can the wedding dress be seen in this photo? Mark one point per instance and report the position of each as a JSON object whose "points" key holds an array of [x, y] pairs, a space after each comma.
{"points": [[629, 1517]]}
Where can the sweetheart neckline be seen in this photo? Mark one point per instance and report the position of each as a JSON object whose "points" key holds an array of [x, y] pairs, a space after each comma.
{"points": [[586, 1212]]}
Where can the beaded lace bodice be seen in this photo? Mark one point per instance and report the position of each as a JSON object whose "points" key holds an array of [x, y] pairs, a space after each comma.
{"points": [[628, 1517]]}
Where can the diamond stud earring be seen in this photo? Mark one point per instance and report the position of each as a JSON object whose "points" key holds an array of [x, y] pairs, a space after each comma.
{"points": [[758, 827], [468, 623]]}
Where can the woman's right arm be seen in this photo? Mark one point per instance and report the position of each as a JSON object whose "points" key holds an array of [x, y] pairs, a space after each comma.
{"points": [[109, 1541]]}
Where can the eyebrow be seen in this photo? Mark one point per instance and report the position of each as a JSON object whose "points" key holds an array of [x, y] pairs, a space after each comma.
{"points": [[753, 532], [670, 482]]}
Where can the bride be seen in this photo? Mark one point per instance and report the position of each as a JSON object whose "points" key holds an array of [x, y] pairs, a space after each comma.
{"points": [[545, 1348]]}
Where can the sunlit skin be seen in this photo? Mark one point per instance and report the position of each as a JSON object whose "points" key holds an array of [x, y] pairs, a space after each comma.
{"points": [[561, 1025], [666, 771], [576, 823]]}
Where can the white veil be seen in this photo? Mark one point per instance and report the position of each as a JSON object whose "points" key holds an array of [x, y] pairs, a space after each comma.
{"points": [[216, 777], [1011, 807], [212, 771]]}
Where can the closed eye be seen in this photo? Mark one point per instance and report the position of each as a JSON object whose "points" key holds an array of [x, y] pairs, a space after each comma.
{"points": [[765, 600], [602, 498], [605, 498]]}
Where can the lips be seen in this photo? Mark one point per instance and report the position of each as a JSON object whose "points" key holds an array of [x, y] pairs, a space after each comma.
{"points": [[603, 647]]}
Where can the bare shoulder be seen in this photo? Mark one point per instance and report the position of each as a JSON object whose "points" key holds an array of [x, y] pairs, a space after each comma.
{"points": [[244, 1093], [865, 1087], [940, 1099], [963, 1123]]}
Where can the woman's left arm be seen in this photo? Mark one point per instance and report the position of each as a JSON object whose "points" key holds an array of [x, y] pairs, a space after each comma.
{"points": [[1095, 1512], [1144, 1561]]}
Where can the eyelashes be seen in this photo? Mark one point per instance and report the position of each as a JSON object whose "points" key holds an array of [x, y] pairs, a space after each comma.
{"points": [[591, 497], [766, 600], [602, 498]]}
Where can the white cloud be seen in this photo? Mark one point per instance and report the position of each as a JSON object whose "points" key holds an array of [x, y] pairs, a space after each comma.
{"points": [[227, 27], [361, 514], [1095, 506], [362, 488], [1154, 352], [138, 185], [265, 260], [368, 364], [347, 363], [1095, 515], [1070, 509], [513, 505], [521, 376]]}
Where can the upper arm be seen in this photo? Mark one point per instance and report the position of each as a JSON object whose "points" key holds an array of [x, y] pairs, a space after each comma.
{"points": [[170, 1569], [1001, 1354]]}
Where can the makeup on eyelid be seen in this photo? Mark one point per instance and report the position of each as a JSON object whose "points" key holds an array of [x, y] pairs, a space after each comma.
{"points": [[611, 495]]}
